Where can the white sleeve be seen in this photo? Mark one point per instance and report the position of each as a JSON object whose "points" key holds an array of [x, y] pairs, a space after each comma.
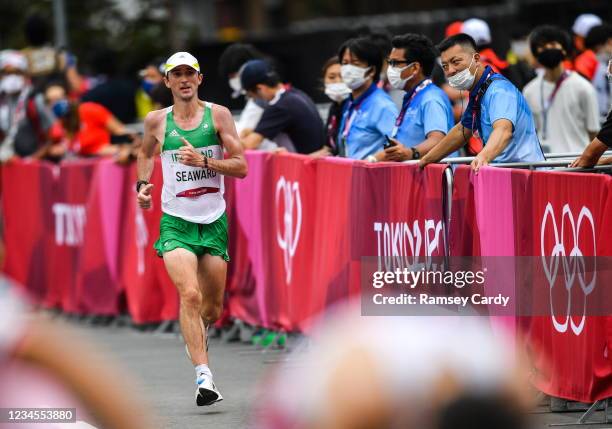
{"points": [[590, 107], [249, 117]]}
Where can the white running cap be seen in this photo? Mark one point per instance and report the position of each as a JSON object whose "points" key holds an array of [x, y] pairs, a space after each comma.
{"points": [[584, 23], [180, 59], [478, 29]]}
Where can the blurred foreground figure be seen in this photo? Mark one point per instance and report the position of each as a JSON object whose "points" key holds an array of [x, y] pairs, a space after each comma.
{"points": [[43, 365], [399, 372]]}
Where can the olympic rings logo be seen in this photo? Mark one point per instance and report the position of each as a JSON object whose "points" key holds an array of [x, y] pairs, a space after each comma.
{"points": [[288, 232], [574, 267]]}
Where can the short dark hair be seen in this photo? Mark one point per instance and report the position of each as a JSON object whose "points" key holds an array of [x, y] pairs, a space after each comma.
{"points": [[365, 49], [598, 35], [465, 40], [546, 34], [383, 41], [417, 48], [36, 29], [235, 56]]}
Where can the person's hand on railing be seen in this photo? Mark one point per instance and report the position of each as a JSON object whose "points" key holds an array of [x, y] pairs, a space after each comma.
{"points": [[479, 162], [591, 154]]}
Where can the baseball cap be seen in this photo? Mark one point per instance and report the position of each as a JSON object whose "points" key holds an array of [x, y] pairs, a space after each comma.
{"points": [[584, 23], [13, 59], [254, 72], [478, 29], [179, 59]]}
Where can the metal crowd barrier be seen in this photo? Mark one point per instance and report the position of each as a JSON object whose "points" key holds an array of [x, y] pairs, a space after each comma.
{"points": [[553, 160]]}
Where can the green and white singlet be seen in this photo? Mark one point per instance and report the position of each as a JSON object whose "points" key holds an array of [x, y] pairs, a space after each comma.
{"points": [[192, 193]]}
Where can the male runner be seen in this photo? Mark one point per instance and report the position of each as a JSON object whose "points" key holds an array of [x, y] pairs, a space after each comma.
{"points": [[193, 229]]}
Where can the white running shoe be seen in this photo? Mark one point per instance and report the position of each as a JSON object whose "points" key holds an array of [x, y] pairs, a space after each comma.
{"points": [[206, 392]]}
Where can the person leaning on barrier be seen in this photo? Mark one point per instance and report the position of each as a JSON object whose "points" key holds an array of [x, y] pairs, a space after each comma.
{"points": [[290, 117], [497, 110], [369, 113], [597, 147], [337, 91], [426, 115]]}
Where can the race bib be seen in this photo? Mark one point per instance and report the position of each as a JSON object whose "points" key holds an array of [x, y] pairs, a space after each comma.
{"points": [[192, 182]]}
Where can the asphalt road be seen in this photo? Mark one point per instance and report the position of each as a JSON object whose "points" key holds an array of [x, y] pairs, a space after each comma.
{"points": [[166, 378]]}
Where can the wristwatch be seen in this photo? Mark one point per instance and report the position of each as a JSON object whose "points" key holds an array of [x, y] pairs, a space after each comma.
{"points": [[139, 184], [415, 153]]}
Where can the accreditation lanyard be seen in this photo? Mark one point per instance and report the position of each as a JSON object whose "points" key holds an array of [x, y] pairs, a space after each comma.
{"points": [[479, 94], [547, 102], [351, 112], [400, 118]]}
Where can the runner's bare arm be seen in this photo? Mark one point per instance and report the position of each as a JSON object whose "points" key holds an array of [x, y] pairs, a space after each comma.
{"points": [[144, 165], [146, 161], [235, 165]]}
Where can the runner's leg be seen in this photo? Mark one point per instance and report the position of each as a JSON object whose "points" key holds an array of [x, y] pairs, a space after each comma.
{"points": [[182, 267], [212, 271]]}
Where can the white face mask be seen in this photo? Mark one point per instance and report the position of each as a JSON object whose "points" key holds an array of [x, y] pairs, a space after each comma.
{"points": [[464, 79], [353, 76], [234, 83], [395, 76], [337, 91], [12, 84]]}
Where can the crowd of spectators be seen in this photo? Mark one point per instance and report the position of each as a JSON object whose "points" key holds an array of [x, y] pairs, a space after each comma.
{"points": [[392, 98], [551, 94]]}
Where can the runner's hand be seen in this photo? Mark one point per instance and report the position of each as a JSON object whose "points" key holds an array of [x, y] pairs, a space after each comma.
{"points": [[189, 156], [144, 196]]}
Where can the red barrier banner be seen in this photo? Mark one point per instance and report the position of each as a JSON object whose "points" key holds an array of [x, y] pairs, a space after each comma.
{"points": [[151, 296], [571, 217], [26, 201]]}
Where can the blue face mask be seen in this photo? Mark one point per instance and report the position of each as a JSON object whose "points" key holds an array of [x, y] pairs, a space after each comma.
{"points": [[60, 108], [147, 86], [261, 102]]}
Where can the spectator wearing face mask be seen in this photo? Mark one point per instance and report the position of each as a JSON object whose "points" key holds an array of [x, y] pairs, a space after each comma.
{"points": [[24, 120], [563, 103], [338, 92], [369, 113], [232, 59], [497, 110], [426, 115], [521, 69], [88, 128], [290, 117], [150, 77]]}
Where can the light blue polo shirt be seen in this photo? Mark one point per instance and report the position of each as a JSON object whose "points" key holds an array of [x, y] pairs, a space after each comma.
{"points": [[374, 116], [503, 100], [430, 110]]}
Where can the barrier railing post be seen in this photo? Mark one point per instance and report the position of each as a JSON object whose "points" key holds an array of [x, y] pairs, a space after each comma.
{"points": [[447, 203]]}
